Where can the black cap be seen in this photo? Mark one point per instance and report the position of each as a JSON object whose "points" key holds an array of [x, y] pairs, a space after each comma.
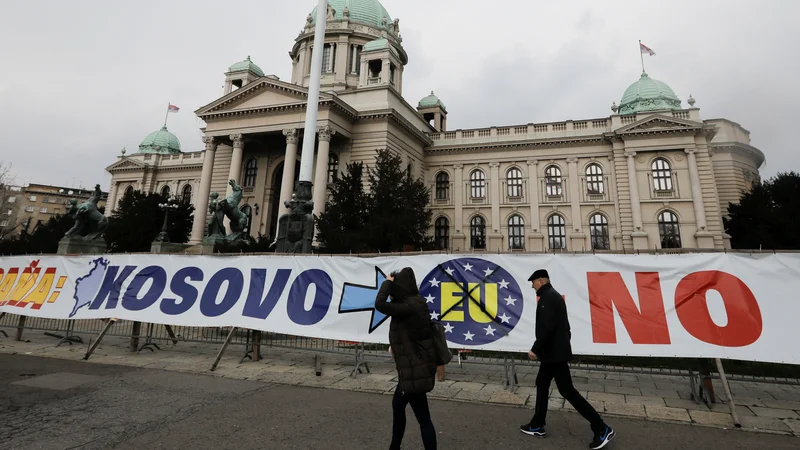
{"points": [[541, 273]]}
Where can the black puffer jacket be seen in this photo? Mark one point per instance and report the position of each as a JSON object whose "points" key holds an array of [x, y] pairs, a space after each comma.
{"points": [[409, 332], [552, 327]]}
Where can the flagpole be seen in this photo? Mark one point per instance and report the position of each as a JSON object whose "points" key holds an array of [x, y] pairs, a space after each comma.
{"points": [[641, 55], [166, 116]]}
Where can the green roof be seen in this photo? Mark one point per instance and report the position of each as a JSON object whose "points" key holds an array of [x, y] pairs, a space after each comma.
{"points": [[369, 12], [430, 101], [246, 65], [377, 44], [161, 141], [648, 94]]}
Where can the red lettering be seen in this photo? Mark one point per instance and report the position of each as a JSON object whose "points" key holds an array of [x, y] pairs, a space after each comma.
{"points": [[607, 291], [744, 317]]}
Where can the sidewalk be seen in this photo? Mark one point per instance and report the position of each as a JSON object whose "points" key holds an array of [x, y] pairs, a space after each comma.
{"points": [[762, 407]]}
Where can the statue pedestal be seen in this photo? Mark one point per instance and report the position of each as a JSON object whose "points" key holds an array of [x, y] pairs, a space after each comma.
{"points": [[70, 246], [167, 247]]}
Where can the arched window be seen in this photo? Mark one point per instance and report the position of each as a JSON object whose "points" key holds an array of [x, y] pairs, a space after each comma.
{"points": [[165, 191], [557, 232], [333, 167], [248, 211], [669, 230], [477, 183], [594, 179], [514, 179], [128, 191], [598, 230], [662, 175], [442, 233], [186, 195], [250, 173], [477, 233], [516, 233], [442, 186], [553, 182]]}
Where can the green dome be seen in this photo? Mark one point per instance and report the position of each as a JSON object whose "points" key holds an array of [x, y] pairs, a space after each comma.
{"points": [[246, 65], [430, 101], [369, 12], [161, 141], [648, 94]]}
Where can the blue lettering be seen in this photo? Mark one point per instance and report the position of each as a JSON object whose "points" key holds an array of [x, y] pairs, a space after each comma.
{"points": [[182, 289], [322, 297], [131, 300], [111, 287], [255, 306], [235, 280]]}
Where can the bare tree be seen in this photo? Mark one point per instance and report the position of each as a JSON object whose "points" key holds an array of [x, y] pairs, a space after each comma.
{"points": [[7, 190]]}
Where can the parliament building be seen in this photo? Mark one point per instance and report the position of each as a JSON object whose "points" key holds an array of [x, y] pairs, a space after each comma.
{"points": [[654, 174]]}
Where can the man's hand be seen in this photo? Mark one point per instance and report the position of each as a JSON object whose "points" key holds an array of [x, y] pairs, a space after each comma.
{"points": [[390, 277], [531, 355]]}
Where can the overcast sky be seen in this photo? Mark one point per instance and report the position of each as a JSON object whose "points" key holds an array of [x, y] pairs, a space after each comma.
{"points": [[80, 80]]}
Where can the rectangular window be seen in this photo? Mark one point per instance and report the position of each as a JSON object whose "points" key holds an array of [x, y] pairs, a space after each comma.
{"points": [[355, 59], [43, 210], [46, 200], [27, 209], [327, 63], [9, 212], [32, 198], [12, 199], [4, 223]]}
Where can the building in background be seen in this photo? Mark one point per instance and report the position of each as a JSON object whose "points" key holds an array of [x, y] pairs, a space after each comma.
{"points": [[653, 174], [25, 207]]}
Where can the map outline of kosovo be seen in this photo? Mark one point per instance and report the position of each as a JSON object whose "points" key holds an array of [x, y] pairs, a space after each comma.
{"points": [[87, 286]]}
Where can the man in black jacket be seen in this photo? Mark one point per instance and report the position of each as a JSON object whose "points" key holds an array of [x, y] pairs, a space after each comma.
{"points": [[552, 348]]}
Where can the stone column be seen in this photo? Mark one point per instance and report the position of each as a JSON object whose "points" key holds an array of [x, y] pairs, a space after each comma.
{"points": [[111, 202], [235, 172], [704, 238], [385, 72], [325, 134], [536, 238], [201, 202], [289, 163], [577, 237], [342, 54], [639, 235], [495, 235], [459, 242]]}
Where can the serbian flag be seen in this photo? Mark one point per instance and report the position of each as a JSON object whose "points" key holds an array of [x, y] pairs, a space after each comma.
{"points": [[646, 50], [173, 108]]}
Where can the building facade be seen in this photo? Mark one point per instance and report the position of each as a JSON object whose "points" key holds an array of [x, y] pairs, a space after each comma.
{"points": [[26, 207], [653, 174]]}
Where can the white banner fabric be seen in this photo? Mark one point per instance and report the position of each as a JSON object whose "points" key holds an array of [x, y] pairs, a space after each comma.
{"points": [[709, 305]]}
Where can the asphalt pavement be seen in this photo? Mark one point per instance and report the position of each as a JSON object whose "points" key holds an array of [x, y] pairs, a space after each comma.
{"points": [[61, 404]]}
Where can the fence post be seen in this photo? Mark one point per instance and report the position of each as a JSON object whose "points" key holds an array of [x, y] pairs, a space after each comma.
{"points": [[256, 345], [20, 327], [727, 389], [135, 332]]}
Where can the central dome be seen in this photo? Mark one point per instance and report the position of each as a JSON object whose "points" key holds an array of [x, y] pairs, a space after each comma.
{"points": [[648, 94], [161, 141], [369, 12]]}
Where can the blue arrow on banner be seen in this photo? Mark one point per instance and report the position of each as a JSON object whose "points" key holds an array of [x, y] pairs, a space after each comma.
{"points": [[360, 298]]}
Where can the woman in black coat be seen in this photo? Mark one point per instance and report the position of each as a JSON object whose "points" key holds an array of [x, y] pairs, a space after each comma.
{"points": [[411, 342]]}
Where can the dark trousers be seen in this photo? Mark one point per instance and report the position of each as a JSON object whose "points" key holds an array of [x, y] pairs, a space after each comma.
{"points": [[419, 404], [560, 371]]}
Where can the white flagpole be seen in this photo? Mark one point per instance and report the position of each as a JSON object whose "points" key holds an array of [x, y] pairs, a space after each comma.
{"points": [[641, 54], [312, 108], [166, 116]]}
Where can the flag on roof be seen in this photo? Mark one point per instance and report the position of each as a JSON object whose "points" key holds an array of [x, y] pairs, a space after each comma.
{"points": [[646, 50], [173, 108]]}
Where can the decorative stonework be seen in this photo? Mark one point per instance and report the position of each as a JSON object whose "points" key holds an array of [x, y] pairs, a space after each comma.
{"points": [[291, 135], [209, 141], [238, 140], [325, 133]]}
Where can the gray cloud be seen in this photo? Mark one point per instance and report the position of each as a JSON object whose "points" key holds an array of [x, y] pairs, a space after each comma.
{"points": [[83, 79]]}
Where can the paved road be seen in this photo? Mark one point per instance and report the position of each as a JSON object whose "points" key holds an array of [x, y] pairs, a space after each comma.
{"points": [[60, 404]]}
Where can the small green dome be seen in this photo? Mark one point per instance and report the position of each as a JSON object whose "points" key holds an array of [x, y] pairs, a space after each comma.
{"points": [[246, 65], [648, 94], [161, 141], [369, 12], [430, 101]]}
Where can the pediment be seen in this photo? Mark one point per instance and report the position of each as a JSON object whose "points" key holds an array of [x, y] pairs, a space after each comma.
{"points": [[656, 123], [264, 92], [125, 163]]}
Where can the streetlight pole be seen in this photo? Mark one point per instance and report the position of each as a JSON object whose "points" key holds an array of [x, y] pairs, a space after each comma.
{"points": [[296, 230], [163, 236]]}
